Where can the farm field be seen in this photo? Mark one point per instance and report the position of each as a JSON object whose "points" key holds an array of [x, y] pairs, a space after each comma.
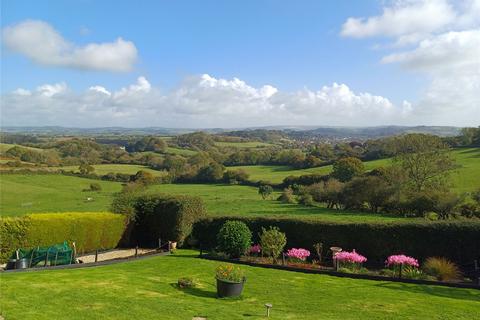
{"points": [[147, 289], [251, 144], [21, 194], [234, 200], [5, 146], [465, 178], [102, 169]]}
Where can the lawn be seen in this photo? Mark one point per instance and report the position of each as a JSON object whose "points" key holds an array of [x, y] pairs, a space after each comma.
{"points": [[102, 169], [465, 178], [146, 289], [20, 194]]}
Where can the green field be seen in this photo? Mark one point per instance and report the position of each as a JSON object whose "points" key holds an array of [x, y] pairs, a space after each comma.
{"points": [[250, 144], [21, 194], [4, 147], [245, 201], [102, 169], [465, 178], [146, 289]]}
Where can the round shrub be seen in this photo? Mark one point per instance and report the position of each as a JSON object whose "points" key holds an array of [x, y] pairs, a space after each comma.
{"points": [[234, 238]]}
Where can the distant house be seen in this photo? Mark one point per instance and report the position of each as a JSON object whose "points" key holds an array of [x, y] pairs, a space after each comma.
{"points": [[122, 148]]}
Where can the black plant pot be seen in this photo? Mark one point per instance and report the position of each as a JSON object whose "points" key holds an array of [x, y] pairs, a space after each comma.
{"points": [[229, 289], [11, 264]]}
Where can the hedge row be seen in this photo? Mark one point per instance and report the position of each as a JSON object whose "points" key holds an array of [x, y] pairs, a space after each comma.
{"points": [[89, 231], [166, 217], [456, 240]]}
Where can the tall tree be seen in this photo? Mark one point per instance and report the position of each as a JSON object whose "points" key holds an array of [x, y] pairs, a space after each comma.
{"points": [[425, 159]]}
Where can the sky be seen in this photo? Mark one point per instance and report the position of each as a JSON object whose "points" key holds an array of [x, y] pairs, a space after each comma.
{"points": [[230, 64]]}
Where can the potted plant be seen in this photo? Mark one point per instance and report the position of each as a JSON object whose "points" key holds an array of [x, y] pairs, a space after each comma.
{"points": [[230, 280]]}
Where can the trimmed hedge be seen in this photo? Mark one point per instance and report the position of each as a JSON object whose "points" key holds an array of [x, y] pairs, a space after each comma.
{"points": [[456, 240], [89, 231], [167, 217]]}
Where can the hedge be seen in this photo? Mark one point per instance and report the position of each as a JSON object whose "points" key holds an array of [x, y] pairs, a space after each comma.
{"points": [[89, 231], [455, 240], [167, 217]]}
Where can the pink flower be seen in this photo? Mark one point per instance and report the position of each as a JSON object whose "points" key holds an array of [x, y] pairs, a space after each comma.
{"points": [[299, 253], [255, 249], [351, 257], [401, 259]]}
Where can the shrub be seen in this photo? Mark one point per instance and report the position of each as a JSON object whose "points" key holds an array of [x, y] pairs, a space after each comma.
{"points": [[89, 231], [265, 191], [351, 260], [234, 238], [298, 254], [161, 216], [95, 187], [346, 168], [287, 196], [229, 272], [457, 240], [272, 241], [442, 269], [306, 199]]}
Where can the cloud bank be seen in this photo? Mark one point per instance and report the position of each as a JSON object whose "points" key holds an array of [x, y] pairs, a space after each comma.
{"points": [[203, 101], [40, 42]]}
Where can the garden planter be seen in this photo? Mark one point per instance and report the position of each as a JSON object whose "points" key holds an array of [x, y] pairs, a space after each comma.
{"points": [[229, 289], [17, 264], [173, 245]]}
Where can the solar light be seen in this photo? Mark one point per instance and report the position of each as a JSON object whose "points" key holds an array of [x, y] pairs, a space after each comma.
{"points": [[268, 306]]}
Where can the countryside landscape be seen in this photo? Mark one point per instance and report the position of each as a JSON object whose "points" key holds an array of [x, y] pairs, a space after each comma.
{"points": [[218, 199]]}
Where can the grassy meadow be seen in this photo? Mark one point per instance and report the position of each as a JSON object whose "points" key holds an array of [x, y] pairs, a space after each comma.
{"points": [[21, 194], [465, 178], [102, 169], [147, 289]]}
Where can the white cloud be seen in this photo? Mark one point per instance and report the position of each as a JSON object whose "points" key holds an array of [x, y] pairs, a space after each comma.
{"points": [[100, 89], [22, 92], [41, 43], [202, 101], [49, 90], [445, 50], [402, 18]]}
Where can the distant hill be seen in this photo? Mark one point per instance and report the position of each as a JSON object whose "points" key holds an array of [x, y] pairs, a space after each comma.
{"points": [[260, 133]]}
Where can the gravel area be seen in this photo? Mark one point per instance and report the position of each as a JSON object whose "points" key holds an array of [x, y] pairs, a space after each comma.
{"points": [[113, 254]]}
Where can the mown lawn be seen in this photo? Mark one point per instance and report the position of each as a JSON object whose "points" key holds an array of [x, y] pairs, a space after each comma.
{"points": [[102, 169], [21, 194], [465, 178], [146, 289]]}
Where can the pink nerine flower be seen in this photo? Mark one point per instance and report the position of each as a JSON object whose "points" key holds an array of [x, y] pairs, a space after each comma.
{"points": [[351, 257], [402, 259], [255, 248], [299, 253]]}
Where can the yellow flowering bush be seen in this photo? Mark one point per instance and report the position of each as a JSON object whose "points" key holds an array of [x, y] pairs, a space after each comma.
{"points": [[230, 272]]}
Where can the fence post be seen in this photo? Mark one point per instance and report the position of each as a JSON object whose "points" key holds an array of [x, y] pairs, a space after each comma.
{"points": [[46, 258], [169, 246], [159, 243], [283, 258], [136, 251], [96, 255], [477, 271]]}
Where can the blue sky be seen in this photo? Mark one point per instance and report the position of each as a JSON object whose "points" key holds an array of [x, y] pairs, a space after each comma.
{"points": [[290, 45]]}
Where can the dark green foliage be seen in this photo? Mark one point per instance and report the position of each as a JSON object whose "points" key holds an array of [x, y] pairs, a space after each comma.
{"points": [[235, 176], [347, 168], [89, 231], [234, 238], [265, 191], [95, 187], [287, 196], [458, 241], [305, 180], [160, 216]]}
